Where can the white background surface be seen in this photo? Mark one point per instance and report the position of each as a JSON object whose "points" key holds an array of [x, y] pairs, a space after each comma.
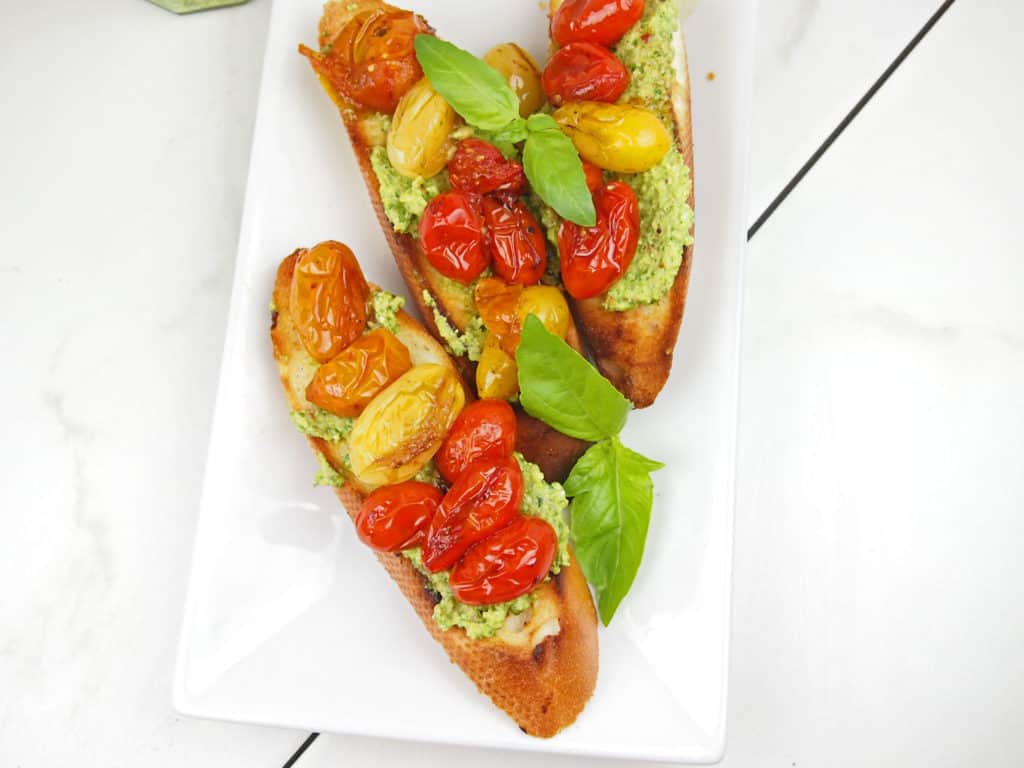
{"points": [[878, 588]]}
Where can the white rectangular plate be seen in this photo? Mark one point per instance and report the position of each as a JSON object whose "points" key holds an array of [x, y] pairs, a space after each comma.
{"points": [[290, 620]]}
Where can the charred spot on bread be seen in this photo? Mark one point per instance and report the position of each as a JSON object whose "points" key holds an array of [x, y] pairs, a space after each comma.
{"points": [[273, 319], [538, 653]]}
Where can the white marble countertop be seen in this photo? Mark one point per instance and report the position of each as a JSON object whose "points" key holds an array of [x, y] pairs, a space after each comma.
{"points": [[878, 592]]}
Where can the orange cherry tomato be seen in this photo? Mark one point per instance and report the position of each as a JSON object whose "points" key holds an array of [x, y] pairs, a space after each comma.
{"points": [[484, 498], [595, 257], [396, 517], [479, 167], [452, 236], [372, 60], [584, 72], [346, 384], [486, 429], [329, 297], [508, 563], [498, 305], [516, 241], [593, 174], [594, 21]]}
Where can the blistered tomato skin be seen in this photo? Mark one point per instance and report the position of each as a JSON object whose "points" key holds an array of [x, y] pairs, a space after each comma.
{"points": [[550, 307], [521, 73], [592, 258], [485, 497], [346, 384], [372, 60], [498, 305], [515, 240], [418, 143], [624, 138], [584, 72], [594, 21], [329, 299], [403, 426], [593, 175], [505, 565], [452, 236], [486, 429], [479, 167], [396, 517], [497, 375]]}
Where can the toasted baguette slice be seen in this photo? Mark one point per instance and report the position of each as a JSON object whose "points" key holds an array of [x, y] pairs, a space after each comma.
{"points": [[541, 667], [633, 348]]}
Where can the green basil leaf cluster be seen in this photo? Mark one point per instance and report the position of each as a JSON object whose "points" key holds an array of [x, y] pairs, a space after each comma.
{"points": [[610, 485], [480, 95]]}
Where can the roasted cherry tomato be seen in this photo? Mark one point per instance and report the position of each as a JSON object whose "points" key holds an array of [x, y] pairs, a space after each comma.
{"points": [[485, 498], [486, 429], [396, 517], [479, 167], [452, 236], [584, 72], [497, 375], [329, 298], [498, 305], [594, 21], [508, 563], [595, 257], [346, 384], [402, 427], [593, 175], [372, 60], [515, 240]]}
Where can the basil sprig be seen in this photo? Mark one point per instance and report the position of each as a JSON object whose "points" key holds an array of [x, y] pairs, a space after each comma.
{"points": [[611, 488], [480, 95]]}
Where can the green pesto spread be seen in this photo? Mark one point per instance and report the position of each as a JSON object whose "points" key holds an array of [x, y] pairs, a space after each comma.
{"points": [[540, 499], [385, 310], [468, 343], [404, 199], [666, 218], [327, 475], [316, 422]]}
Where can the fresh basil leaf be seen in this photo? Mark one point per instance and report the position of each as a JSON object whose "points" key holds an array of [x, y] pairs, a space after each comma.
{"points": [[475, 90], [556, 174], [559, 387], [541, 121], [612, 494], [512, 133]]}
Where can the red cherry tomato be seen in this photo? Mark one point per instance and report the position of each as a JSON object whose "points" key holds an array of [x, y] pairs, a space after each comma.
{"points": [[486, 429], [595, 257], [485, 498], [593, 174], [372, 60], [515, 240], [396, 517], [452, 236], [584, 72], [505, 565], [479, 167], [594, 21]]}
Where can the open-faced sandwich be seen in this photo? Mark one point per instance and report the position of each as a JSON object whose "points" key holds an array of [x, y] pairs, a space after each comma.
{"points": [[475, 538], [505, 189]]}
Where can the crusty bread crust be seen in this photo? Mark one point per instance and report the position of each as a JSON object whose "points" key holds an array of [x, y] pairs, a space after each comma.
{"points": [[542, 667], [633, 348]]}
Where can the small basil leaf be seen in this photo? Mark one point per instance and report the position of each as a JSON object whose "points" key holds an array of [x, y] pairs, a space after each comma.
{"points": [[512, 133], [556, 174], [541, 121], [475, 90], [612, 495], [563, 390]]}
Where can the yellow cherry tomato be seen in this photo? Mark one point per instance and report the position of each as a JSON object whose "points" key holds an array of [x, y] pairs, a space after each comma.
{"points": [[522, 74], [617, 137], [403, 426], [550, 307], [497, 376], [418, 141]]}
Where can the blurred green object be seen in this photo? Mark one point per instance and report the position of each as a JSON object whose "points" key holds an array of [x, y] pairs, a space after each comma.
{"points": [[190, 6]]}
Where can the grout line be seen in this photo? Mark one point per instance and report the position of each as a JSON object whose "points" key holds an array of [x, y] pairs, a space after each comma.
{"points": [[837, 132], [299, 752]]}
